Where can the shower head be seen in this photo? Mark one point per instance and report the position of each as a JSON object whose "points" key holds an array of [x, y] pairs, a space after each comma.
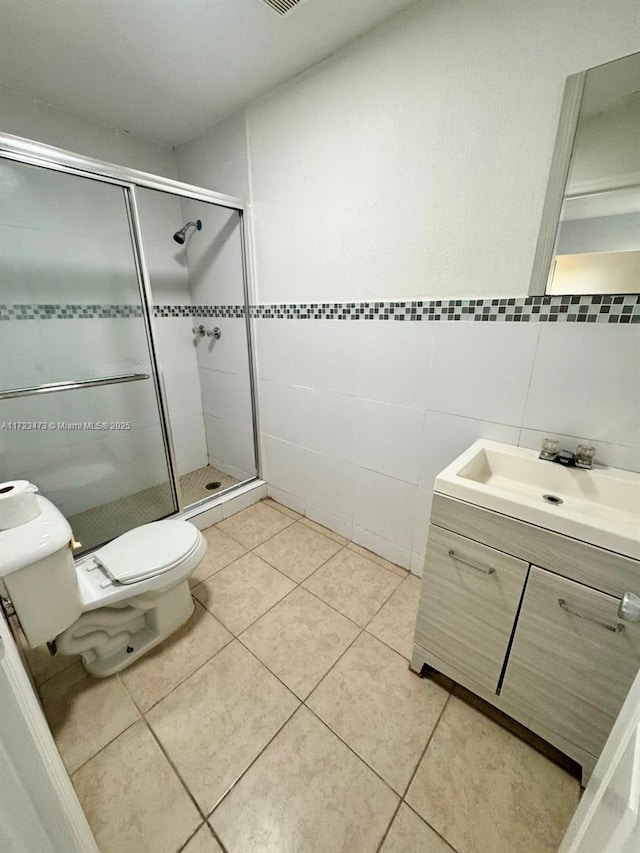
{"points": [[181, 235]]}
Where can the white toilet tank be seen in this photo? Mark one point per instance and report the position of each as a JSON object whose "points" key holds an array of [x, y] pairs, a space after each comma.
{"points": [[37, 568]]}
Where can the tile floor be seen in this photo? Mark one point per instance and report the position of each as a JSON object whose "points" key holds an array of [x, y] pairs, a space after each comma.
{"points": [[283, 718]]}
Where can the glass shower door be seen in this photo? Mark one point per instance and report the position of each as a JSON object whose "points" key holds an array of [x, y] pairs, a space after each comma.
{"points": [[79, 410]]}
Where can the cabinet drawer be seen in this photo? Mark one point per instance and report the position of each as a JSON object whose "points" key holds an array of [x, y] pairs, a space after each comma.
{"points": [[470, 595], [566, 666]]}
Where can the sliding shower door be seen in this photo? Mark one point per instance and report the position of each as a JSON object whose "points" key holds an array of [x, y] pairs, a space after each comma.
{"points": [[79, 408], [195, 261]]}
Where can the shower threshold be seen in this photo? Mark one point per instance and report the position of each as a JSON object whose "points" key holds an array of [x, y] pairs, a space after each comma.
{"points": [[93, 527]]}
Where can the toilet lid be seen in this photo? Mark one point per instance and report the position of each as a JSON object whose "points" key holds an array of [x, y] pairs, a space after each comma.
{"points": [[148, 550]]}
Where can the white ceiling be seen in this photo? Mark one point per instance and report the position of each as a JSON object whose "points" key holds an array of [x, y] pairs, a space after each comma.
{"points": [[168, 69]]}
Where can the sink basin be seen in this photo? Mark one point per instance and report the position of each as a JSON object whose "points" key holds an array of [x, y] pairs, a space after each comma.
{"points": [[600, 506]]}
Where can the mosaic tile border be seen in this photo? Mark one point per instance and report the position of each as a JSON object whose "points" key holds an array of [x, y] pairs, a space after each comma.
{"points": [[68, 312], [531, 309], [198, 311]]}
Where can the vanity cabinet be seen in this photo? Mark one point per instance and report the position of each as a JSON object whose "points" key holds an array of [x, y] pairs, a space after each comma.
{"points": [[473, 593], [573, 659], [528, 620]]}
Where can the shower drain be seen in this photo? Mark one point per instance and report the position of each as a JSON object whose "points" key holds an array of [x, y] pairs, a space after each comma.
{"points": [[214, 484]]}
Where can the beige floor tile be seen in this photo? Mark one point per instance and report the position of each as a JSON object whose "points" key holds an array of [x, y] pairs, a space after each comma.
{"points": [[222, 550], [216, 722], [298, 551], [378, 560], [410, 834], [325, 531], [306, 793], [482, 788], [396, 622], [132, 798], [160, 670], [353, 585], [202, 842], [243, 591], [281, 508], [255, 524], [85, 713], [376, 705], [300, 639]]}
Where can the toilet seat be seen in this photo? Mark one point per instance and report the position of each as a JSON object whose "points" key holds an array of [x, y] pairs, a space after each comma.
{"points": [[148, 551]]}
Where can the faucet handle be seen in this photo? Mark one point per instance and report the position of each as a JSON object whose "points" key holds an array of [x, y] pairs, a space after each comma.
{"points": [[550, 448], [584, 455]]}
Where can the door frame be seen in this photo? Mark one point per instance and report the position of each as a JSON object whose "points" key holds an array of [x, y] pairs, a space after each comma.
{"points": [[65, 801]]}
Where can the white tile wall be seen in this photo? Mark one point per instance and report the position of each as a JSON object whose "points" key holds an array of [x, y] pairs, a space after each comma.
{"points": [[329, 484], [385, 506], [386, 438], [329, 423], [577, 366], [415, 395], [282, 410]]}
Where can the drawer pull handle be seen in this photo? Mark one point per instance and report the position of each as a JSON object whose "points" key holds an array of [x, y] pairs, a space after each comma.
{"points": [[485, 571], [615, 629]]}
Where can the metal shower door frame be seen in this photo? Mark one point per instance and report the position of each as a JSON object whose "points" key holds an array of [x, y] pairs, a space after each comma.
{"points": [[45, 156]]}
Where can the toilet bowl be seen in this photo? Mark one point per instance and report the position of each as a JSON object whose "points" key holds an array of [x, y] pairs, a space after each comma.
{"points": [[112, 606]]}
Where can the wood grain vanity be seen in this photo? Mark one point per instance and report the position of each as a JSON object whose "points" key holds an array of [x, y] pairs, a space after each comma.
{"points": [[527, 619]]}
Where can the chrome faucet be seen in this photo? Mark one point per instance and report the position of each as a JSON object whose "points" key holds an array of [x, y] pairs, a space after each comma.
{"points": [[582, 458]]}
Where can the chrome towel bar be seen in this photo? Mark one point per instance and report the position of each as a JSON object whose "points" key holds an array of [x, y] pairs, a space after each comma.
{"points": [[71, 385]]}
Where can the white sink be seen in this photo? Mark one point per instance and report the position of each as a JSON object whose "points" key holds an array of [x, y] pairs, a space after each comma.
{"points": [[600, 506]]}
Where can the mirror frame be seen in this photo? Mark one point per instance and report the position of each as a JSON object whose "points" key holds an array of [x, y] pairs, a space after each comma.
{"points": [[558, 175]]}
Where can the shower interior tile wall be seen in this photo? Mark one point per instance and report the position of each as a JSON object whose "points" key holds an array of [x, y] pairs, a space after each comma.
{"points": [[216, 278], [357, 418], [161, 215]]}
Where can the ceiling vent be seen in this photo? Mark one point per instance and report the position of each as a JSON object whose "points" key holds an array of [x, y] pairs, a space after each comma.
{"points": [[282, 7]]}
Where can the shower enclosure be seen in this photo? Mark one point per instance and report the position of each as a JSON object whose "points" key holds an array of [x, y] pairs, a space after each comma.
{"points": [[126, 382]]}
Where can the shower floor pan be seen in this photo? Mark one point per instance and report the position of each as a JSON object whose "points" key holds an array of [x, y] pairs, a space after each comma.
{"points": [[98, 525]]}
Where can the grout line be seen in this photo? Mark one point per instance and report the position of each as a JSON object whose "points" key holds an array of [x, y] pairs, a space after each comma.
{"points": [[174, 768], [426, 747], [417, 814], [352, 750], [406, 790], [180, 683], [259, 755], [193, 834], [102, 748]]}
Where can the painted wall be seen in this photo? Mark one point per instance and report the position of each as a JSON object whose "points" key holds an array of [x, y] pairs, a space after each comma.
{"points": [[218, 158], [413, 164], [51, 125]]}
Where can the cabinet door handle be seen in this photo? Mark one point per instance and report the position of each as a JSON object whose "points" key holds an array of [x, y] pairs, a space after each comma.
{"points": [[489, 570], [615, 629]]}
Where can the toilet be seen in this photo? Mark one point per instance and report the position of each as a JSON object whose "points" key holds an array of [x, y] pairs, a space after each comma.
{"points": [[111, 607]]}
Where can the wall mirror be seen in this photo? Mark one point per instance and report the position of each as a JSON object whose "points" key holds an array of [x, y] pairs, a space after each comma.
{"points": [[590, 234]]}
